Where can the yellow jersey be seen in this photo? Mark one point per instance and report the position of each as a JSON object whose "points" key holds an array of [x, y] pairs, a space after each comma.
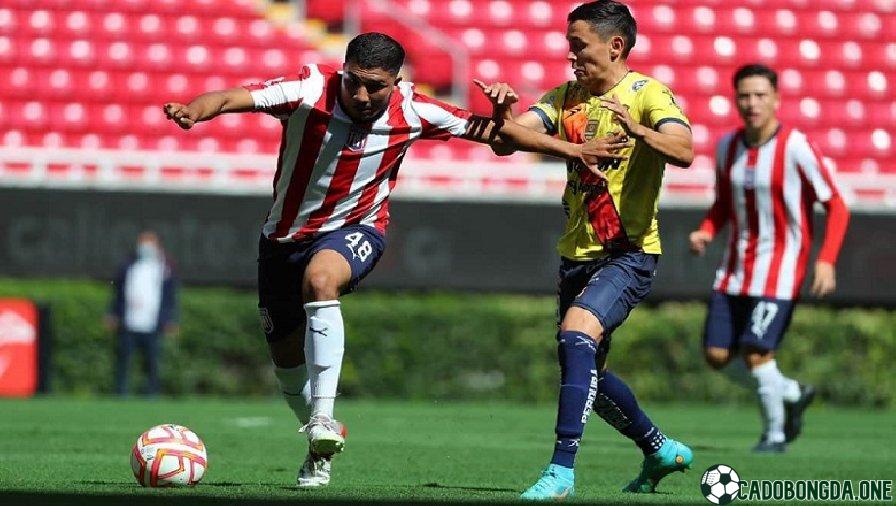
{"points": [[621, 213]]}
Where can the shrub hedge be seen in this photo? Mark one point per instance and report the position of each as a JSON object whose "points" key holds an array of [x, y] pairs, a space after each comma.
{"points": [[461, 346]]}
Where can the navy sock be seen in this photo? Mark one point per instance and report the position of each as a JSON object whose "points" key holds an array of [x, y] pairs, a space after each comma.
{"points": [[617, 405], [578, 387]]}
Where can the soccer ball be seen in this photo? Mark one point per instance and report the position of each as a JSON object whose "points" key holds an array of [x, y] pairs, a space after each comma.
{"points": [[168, 455], [720, 484]]}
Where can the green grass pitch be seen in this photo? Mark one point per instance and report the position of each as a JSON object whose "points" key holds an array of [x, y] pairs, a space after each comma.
{"points": [[70, 451]]}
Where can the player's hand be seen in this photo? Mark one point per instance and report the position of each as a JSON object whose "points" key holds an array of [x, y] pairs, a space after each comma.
{"points": [[501, 95], [699, 239], [825, 279], [601, 149], [622, 116], [181, 114], [606, 148]]}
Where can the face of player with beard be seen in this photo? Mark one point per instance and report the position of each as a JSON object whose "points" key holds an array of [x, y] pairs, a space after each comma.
{"points": [[365, 92], [757, 103], [596, 61]]}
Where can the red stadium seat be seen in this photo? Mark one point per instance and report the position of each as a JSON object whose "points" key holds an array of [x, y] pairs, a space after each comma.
{"points": [[331, 10], [40, 23], [117, 25], [18, 82], [42, 51], [10, 21]]}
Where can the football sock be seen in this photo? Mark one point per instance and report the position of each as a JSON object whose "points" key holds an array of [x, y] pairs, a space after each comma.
{"points": [[578, 386], [294, 386], [790, 388], [771, 400], [324, 347], [617, 405]]}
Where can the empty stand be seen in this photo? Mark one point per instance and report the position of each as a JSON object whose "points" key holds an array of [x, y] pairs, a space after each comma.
{"points": [[837, 58], [93, 74]]}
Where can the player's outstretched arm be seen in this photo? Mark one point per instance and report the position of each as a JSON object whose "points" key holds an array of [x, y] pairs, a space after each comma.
{"points": [[671, 140], [208, 105], [502, 97], [488, 131]]}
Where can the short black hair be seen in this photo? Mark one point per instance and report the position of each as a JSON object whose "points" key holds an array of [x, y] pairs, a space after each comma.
{"points": [[608, 18], [375, 50], [755, 70]]}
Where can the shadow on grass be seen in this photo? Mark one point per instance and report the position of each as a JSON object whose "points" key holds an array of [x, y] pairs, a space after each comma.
{"points": [[130, 484], [474, 489]]}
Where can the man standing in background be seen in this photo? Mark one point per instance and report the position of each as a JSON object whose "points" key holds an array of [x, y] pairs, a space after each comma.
{"points": [[768, 178], [144, 304]]}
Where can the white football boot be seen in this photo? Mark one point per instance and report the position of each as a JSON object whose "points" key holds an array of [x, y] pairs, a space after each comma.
{"points": [[315, 472], [326, 437]]}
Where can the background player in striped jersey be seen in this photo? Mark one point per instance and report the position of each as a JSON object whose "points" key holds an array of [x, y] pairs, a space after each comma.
{"points": [[611, 244], [768, 177], [345, 133]]}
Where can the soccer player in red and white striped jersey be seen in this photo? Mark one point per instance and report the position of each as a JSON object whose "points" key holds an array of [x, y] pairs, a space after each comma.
{"points": [[345, 133], [768, 178]]}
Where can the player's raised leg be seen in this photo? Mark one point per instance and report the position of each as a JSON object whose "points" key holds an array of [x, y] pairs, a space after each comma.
{"points": [[327, 274]]}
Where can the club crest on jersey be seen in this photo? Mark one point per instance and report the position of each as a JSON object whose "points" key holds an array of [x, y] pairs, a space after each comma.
{"points": [[357, 139], [591, 129], [637, 85]]}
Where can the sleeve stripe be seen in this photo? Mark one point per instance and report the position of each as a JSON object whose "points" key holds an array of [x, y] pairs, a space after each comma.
{"points": [[812, 164], [823, 169], [442, 119], [284, 92], [548, 124], [671, 120]]}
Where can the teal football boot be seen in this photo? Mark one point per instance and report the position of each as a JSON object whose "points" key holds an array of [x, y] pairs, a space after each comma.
{"points": [[673, 456], [555, 484]]}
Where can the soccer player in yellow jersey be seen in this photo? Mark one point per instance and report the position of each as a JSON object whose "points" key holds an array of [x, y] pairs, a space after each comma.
{"points": [[611, 243]]}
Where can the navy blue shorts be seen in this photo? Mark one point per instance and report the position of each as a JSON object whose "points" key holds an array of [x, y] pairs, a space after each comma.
{"points": [[609, 287], [735, 321], [281, 267]]}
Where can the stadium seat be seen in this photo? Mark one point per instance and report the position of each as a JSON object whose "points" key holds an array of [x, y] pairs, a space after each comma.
{"points": [[9, 21]]}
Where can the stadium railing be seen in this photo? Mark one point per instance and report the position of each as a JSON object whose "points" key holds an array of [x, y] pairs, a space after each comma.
{"points": [[523, 180]]}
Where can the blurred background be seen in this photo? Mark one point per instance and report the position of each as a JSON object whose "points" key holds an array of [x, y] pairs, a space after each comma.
{"points": [[460, 306]]}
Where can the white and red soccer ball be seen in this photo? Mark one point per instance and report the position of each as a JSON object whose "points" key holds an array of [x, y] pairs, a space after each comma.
{"points": [[169, 455]]}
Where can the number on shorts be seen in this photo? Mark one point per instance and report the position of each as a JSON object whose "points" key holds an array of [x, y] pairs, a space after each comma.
{"points": [[763, 316], [359, 249]]}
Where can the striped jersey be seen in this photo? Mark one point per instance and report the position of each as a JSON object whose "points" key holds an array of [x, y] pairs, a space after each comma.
{"points": [[333, 172], [767, 194]]}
